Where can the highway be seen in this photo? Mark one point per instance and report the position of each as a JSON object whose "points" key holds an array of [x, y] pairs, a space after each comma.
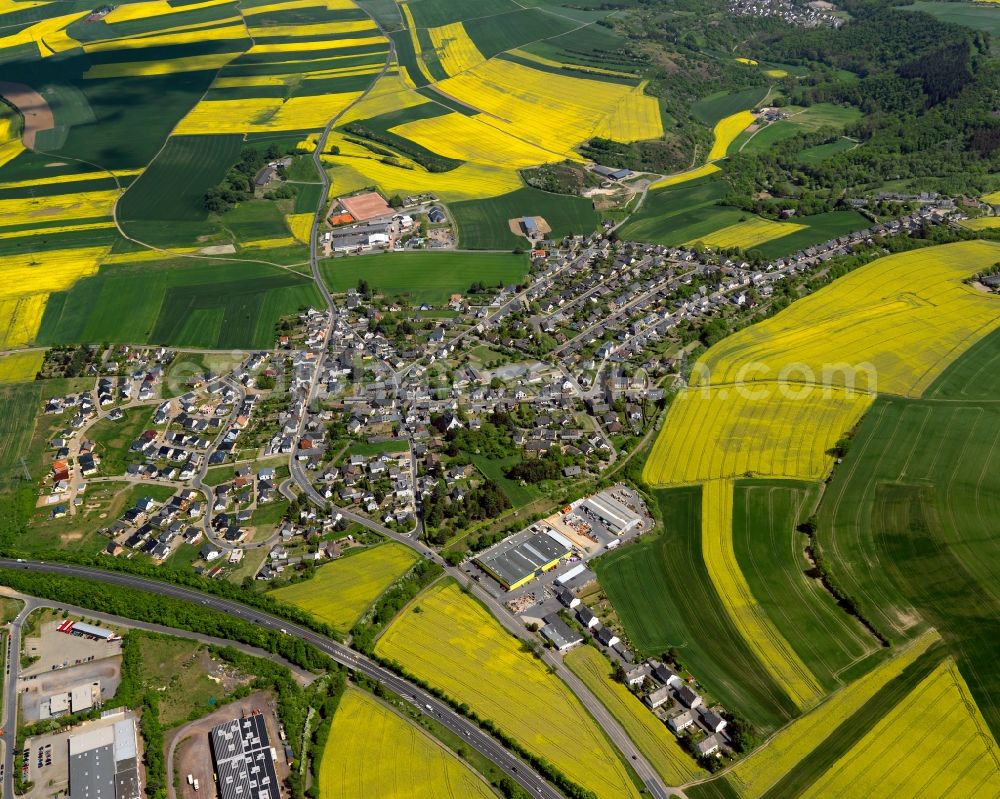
{"points": [[510, 764]]}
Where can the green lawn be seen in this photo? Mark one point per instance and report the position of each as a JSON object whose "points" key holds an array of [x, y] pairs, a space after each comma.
{"points": [[482, 224], [771, 555], [424, 277], [113, 440], [663, 595], [494, 469], [215, 305], [269, 514], [804, 120], [908, 523]]}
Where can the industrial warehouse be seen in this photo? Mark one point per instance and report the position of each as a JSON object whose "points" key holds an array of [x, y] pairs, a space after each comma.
{"points": [[104, 763], [525, 555], [244, 759]]}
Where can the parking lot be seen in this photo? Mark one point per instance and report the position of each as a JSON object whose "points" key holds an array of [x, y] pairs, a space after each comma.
{"points": [[56, 650], [36, 688]]}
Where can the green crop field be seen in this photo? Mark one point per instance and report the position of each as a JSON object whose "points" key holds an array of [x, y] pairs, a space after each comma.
{"points": [[649, 734], [820, 228], [711, 109], [814, 155], [173, 188], [195, 303], [430, 277], [981, 16], [664, 596], [19, 403], [908, 523], [677, 214], [482, 224], [374, 753], [771, 555], [431, 13], [341, 591], [494, 35]]}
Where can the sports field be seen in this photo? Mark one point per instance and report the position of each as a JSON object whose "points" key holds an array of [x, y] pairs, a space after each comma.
{"points": [[340, 592], [648, 733], [894, 323], [936, 741], [771, 556], [452, 642], [430, 277], [373, 753], [665, 597]]}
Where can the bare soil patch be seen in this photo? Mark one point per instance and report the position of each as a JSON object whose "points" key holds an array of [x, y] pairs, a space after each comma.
{"points": [[32, 106]]}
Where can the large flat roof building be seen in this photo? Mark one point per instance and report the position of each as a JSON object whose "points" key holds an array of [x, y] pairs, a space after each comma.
{"points": [[524, 556], [244, 759], [103, 763]]}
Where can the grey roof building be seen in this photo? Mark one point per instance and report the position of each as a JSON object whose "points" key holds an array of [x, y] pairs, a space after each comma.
{"points": [[103, 763], [560, 634], [519, 559], [244, 765]]}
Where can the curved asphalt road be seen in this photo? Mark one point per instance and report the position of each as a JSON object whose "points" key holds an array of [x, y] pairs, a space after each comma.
{"points": [[511, 765]]}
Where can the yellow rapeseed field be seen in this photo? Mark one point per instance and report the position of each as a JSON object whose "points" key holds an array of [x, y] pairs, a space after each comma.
{"points": [[776, 73], [456, 51], [684, 177], [754, 775], [981, 223], [748, 234], [269, 244], [725, 132], [636, 116], [258, 114], [16, 234], [291, 5], [166, 66], [648, 733], [719, 433], [774, 652], [186, 36], [82, 205], [309, 45], [23, 275], [373, 753], [52, 180], [456, 645], [20, 366], [556, 112], [992, 197], [20, 318], [412, 28], [48, 35], [10, 138], [934, 743], [301, 226], [390, 93], [472, 138], [155, 8], [467, 182], [899, 320], [749, 61], [341, 591]]}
